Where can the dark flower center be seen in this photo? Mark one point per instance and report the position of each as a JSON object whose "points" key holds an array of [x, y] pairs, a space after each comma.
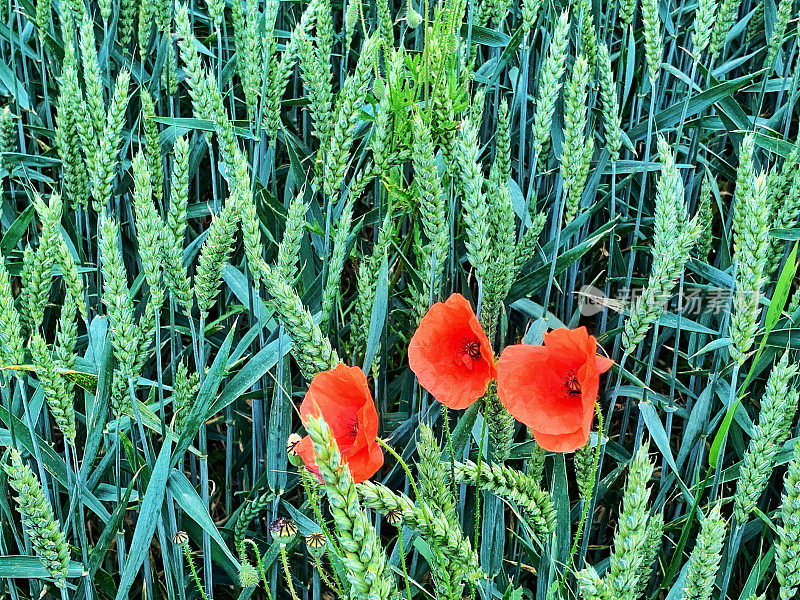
{"points": [[352, 431], [471, 348], [572, 384], [283, 527]]}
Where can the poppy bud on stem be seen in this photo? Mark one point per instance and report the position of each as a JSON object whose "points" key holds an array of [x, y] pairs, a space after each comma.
{"points": [[315, 543], [291, 450], [182, 539]]}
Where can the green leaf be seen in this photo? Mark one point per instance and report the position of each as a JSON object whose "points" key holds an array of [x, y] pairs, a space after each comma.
{"points": [[785, 234], [485, 36], [109, 533], [773, 144], [536, 279], [149, 514], [782, 290], [189, 124], [462, 429], [670, 320], [657, 432], [252, 372], [560, 494], [192, 505], [378, 316], [30, 567], [713, 453], [14, 86], [671, 116], [18, 228], [238, 284]]}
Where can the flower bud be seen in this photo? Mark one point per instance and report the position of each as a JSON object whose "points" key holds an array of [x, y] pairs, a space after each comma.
{"points": [[248, 575], [315, 543], [283, 530], [291, 444], [181, 538]]}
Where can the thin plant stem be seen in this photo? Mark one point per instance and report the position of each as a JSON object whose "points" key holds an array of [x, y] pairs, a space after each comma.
{"points": [[287, 573]]}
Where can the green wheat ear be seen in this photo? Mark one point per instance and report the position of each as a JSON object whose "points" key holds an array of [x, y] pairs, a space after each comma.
{"points": [[54, 387], [119, 304], [549, 88], [364, 557], [347, 107], [475, 207], [578, 148], [779, 29], [703, 24], [333, 279], [7, 143], [152, 146], [368, 272], [431, 524], [520, 488], [726, 14], [674, 237], [778, 407], [705, 558], [750, 251], [311, 348], [653, 42], [787, 551], [175, 277], [608, 93], [37, 516], [433, 214], [636, 541], [436, 493]]}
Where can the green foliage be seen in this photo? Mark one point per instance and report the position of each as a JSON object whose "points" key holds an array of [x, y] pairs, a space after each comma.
{"points": [[205, 205]]}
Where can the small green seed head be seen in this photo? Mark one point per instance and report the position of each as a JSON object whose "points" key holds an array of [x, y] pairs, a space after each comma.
{"points": [[291, 450], [181, 538], [315, 543], [283, 530], [248, 575]]}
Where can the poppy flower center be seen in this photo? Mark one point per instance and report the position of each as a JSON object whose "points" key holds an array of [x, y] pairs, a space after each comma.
{"points": [[470, 352], [352, 431], [471, 348], [572, 384]]}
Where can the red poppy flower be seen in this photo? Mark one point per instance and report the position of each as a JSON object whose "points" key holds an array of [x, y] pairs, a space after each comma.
{"points": [[553, 388], [341, 397], [451, 355]]}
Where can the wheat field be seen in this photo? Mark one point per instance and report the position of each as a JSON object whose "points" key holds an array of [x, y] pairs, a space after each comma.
{"points": [[390, 299]]}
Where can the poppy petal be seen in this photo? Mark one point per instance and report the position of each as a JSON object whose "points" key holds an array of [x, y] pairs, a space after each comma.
{"points": [[602, 363], [451, 355], [553, 388], [337, 395], [305, 450], [564, 442], [365, 462], [342, 398], [570, 441], [567, 343], [534, 392]]}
